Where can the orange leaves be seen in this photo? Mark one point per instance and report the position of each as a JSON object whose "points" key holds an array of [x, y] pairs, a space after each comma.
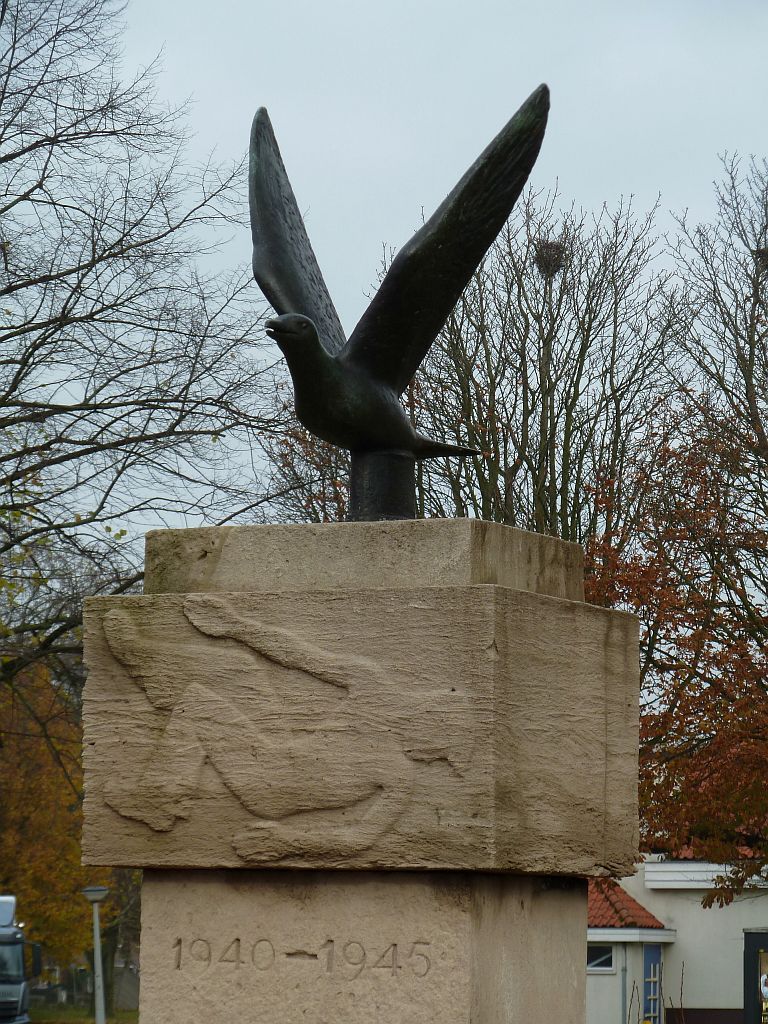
{"points": [[693, 571], [40, 816]]}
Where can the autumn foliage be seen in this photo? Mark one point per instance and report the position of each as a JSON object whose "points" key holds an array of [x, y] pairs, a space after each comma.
{"points": [[690, 573], [40, 817]]}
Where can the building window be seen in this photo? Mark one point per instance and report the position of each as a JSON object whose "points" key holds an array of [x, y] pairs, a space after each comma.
{"points": [[599, 958], [652, 983]]}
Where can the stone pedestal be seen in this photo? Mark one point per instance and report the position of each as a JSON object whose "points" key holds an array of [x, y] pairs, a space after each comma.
{"points": [[320, 947], [303, 712]]}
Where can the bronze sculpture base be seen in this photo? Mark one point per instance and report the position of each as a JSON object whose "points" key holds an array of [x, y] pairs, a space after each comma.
{"points": [[382, 486]]}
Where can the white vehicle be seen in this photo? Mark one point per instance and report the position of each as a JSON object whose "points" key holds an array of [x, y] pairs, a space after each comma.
{"points": [[14, 978]]}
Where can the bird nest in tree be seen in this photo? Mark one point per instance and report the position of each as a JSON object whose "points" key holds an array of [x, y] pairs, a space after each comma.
{"points": [[550, 258], [761, 260]]}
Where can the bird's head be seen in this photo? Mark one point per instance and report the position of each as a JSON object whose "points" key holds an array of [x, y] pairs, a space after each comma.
{"points": [[292, 330]]}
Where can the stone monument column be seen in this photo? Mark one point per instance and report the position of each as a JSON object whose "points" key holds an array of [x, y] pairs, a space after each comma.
{"points": [[367, 769]]}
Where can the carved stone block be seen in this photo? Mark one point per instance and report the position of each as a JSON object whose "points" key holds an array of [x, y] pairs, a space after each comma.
{"points": [[470, 727], [410, 948]]}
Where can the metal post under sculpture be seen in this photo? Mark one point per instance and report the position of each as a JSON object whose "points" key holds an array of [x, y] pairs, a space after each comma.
{"points": [[347, 392]]}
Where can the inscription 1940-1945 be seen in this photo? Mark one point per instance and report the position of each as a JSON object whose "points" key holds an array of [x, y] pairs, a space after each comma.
{"points": [[335, 956]]}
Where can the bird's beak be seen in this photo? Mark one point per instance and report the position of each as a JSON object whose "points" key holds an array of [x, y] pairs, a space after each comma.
{"points": [[272, 328]]}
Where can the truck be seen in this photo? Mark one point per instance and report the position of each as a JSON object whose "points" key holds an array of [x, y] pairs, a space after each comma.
{"points": [[15, 977]]}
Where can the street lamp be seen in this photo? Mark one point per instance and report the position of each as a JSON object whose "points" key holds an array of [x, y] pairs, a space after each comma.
{"points": [[95, 894]]}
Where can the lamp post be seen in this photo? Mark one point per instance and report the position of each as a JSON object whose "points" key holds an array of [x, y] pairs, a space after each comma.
{"points": [[95, 894]]}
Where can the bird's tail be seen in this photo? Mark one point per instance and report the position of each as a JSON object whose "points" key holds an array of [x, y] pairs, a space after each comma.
{"points": [[429, 449]]}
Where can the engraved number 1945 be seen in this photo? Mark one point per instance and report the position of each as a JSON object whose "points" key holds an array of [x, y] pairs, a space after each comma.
{"points": [[355, 955]]}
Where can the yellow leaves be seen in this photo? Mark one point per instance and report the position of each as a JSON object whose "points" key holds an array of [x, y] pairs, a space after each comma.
{"points": [[116, 534]]}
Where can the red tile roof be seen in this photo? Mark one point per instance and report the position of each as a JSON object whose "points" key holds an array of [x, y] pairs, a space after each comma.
{"points": [[610, 906]]}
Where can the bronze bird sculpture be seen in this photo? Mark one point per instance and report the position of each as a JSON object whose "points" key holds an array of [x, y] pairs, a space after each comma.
{"points": [[347, 392]]}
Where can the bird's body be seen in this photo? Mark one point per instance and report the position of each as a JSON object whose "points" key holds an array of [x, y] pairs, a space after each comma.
{"points": [[347, 391], [341, 403]]}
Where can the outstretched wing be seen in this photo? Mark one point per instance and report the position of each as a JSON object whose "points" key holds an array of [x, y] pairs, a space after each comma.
{"points": [[430, 272], [284, 264]]}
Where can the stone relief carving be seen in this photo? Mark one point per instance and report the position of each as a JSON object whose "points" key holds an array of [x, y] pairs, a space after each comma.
{"points": [[328, 774]]}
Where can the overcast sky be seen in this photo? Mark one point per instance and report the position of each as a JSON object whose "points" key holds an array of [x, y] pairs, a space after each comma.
{"points": [[380, 107]]}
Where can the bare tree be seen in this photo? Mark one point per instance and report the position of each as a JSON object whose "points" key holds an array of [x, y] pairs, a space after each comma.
{"points": [[720, 309], [551, 364], [130, 388], [705, 565]]}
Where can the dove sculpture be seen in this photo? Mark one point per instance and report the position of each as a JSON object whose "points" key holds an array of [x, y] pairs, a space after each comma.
{"points": [[347, 391]]}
